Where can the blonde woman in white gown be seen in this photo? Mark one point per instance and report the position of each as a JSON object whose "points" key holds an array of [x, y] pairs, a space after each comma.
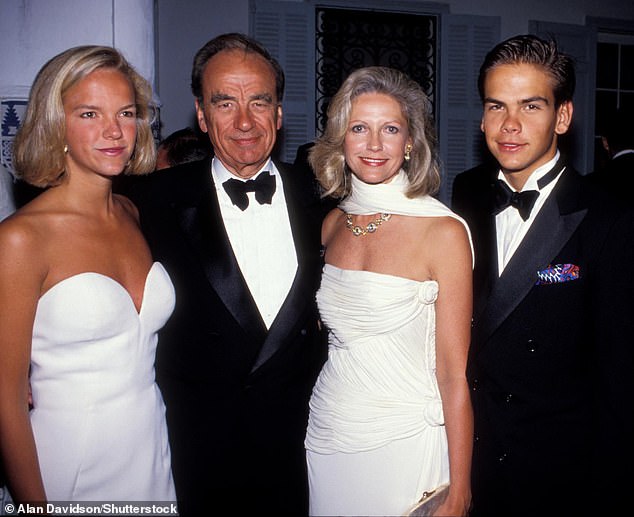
{"points": [[81, 298], [390, 414]]}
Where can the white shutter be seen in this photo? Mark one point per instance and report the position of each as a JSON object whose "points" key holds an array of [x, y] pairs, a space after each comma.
{"points": [[287, 30], [464, 41], [580, 42]]}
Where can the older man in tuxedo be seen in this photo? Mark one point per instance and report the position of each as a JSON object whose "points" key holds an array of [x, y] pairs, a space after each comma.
{"points": [[240, 237], [551, 365]]}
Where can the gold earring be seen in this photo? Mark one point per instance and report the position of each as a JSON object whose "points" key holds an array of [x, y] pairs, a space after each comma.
{"points": [[65, 148], [408, 150]]}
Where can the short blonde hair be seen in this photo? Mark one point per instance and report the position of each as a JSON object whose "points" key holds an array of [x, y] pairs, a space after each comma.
{"points": [[327, 158], [38, 150]]}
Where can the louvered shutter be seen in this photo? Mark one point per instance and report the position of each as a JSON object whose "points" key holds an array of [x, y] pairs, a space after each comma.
{"points": [[287, 30], [580, 42], [464, 41]]}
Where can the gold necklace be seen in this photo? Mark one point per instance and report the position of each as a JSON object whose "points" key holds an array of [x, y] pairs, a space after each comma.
{"points": [[371, 227]]}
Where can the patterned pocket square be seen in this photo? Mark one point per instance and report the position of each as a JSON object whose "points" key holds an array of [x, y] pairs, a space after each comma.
{"points": [[557, 274]]}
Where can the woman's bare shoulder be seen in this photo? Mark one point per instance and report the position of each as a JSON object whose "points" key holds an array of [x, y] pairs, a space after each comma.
{"points": [[447, 227], [128, 206], [23, 241], [23, 228], [449, 241]]}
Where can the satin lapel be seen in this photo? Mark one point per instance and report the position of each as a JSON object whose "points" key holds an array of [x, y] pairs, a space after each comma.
{"points": [[485, 273], [286, 318], [546, 237], [486, 266], [203, 227], [306, 240]]}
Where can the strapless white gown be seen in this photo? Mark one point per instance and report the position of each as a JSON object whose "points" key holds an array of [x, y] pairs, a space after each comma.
{"points": [[376, 438], [98, 417]]}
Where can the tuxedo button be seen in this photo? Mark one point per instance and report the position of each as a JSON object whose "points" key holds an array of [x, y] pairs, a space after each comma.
{"points": [[532, 346], [502, 458], [303, 332], [509, 397], [474, 385]]}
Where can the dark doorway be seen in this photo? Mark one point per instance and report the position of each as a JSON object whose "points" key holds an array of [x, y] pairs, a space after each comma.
{"points": [[350, 39]]}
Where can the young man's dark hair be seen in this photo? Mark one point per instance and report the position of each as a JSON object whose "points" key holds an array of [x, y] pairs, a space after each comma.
{"points": [[531, 50]]}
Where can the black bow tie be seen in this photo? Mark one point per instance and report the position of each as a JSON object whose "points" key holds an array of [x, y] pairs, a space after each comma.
{"points": [[523, 201], [263, 186]]}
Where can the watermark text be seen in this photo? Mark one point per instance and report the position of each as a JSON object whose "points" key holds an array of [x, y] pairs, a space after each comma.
{"points": [[92, 508]]}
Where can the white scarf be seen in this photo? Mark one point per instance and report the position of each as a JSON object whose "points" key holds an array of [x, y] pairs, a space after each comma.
{"points": [[390, 198]]}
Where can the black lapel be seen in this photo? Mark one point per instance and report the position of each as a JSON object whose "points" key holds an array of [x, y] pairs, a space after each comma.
{"points": [[203, 227], [558, 219], [482, 225]]}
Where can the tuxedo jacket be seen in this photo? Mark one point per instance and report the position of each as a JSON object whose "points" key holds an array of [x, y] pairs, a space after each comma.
{"points": [[236, 394], [551, 362]]}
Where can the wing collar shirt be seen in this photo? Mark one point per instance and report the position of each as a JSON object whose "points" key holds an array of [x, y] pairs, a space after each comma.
{"points": [[262, 241], [510, 227]]}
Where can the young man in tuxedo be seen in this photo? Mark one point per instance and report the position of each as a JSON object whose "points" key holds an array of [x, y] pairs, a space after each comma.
{"points": [[551, 362], [239, 235]]}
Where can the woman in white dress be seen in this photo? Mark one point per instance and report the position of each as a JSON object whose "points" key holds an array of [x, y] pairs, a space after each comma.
{"points": [[81, 418], [390, 414]]}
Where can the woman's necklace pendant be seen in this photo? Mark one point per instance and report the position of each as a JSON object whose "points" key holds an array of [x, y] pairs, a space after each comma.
{"points": [[371, 227]]}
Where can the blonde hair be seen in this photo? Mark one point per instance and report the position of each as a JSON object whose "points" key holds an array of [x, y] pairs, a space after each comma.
{"points": [[38, 150], [327, 158]]}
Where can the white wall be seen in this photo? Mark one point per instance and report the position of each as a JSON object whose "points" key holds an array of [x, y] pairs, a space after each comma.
{"points": [[33, 31]]}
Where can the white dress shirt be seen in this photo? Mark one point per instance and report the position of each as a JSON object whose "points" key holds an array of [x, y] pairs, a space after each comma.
{"points": [[509, 225], [262, 241]]}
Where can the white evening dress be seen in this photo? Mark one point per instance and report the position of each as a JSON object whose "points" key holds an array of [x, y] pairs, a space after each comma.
{"points": [[98, 416], [376, 438]]}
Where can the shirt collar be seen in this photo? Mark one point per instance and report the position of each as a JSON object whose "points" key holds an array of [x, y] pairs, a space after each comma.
{"points": [[537, 174], [222, 174]]}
